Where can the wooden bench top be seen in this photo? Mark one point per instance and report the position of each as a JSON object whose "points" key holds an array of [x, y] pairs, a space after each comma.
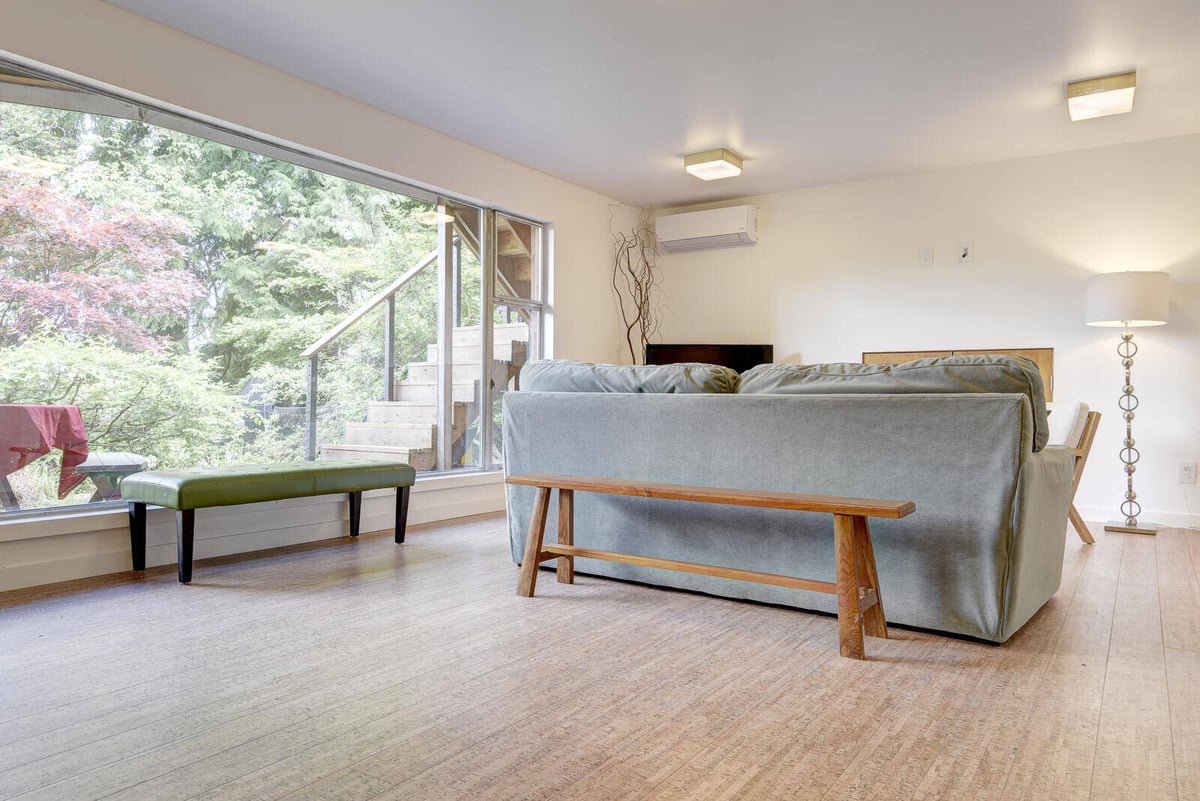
{"points": [[857, 587], [861, 507]]}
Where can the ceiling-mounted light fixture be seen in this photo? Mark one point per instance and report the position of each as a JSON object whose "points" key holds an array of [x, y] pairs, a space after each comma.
{"points": [[713, 164], [1100, 97]]}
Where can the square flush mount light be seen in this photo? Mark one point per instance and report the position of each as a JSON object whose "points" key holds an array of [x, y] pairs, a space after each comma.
{"points": [[713, 164], [1100, 97]]}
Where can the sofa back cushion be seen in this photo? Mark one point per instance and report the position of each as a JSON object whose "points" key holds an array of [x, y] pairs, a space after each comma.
{"points": [[987, 373], [564, 375]]}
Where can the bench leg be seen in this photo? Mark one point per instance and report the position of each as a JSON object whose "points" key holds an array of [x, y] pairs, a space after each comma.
{"points": [[185, 538], [533, 543], [355, 512], [401, 511], [137, 534], [864, 560], [850, 629], [566, 534]]}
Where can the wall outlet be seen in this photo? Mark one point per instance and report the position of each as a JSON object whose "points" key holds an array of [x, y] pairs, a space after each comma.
{"points": [[1187, 473], [925, 256]]}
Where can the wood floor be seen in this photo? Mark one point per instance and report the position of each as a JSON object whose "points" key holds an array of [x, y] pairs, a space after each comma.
{"points": [[366, 670]]}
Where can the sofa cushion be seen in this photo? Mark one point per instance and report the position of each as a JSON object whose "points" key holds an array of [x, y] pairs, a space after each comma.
{"points": [[564, 375], [987, 373]]}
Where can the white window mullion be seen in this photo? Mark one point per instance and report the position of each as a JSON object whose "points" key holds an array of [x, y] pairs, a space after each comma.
{"points": [[487, 261], [445, 340]]}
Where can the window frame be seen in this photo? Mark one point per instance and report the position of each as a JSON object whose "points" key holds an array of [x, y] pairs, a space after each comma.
{"points": [[37, 84]]}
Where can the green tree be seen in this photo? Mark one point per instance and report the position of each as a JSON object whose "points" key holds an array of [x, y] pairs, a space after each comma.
{"points": [[275, 244], [87, 270], [264, 256], [162, 405]]}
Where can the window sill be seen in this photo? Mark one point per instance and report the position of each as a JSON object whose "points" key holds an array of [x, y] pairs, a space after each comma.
{"points": [[82, 519]]}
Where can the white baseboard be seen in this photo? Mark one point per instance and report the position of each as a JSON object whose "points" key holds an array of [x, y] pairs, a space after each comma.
{"points": [[1100, 514]]}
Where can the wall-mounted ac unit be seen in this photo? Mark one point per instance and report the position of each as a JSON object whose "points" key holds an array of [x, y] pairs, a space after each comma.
{"points": [[705, 230]]}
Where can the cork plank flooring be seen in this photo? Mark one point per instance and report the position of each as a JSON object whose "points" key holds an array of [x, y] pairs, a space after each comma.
{"points": [[366, 671]]}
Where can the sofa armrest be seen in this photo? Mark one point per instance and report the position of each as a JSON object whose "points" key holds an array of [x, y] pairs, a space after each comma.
{"points": [[1039, 530]]}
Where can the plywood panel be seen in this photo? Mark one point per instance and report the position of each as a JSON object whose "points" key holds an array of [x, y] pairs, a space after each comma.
{"points": [[1042, 357]]}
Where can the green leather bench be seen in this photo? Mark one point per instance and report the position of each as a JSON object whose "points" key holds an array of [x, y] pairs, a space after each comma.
{"points": [[185, 491]]}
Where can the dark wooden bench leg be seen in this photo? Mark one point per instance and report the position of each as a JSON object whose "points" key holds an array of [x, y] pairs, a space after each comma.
{"points": [[401, 511], [137, 534], [185, 537], [355, 512]]}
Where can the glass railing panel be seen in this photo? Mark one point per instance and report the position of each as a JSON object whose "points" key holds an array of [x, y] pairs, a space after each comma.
{"points": [[513, 330]]}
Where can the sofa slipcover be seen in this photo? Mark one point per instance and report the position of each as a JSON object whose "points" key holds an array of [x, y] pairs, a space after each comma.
{"points": [[564, 375], [967, 373], [982, 553]]}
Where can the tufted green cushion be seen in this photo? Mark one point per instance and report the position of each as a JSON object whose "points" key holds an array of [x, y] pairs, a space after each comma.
{"points": [[987, 373], [201, 487], [564, 375]]}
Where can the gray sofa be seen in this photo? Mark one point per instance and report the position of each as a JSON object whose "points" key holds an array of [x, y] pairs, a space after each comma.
{"points": [[962, 437]]}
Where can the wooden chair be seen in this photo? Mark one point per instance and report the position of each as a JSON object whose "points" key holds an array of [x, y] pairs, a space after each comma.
{"points": [[1082, 448]]}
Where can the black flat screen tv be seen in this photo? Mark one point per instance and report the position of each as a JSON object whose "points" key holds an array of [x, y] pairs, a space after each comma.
{"points": [[735, 357]]}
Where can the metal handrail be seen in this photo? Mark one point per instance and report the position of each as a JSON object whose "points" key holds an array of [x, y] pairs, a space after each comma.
{"points": [[385, 295], [363, 310]]}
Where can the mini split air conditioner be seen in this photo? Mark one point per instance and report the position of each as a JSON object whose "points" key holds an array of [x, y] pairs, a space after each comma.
{"points": [[705, 230]]}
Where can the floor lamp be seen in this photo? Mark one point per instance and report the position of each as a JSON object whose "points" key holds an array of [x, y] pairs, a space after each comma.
{"points": [[1128, 300]]}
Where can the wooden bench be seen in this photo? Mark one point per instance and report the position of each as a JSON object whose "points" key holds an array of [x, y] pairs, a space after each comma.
{"points": [[857, 586], [185, 491]]}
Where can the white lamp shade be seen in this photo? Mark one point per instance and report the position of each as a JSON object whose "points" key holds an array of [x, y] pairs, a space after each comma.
{"points": [[1128, 299]]}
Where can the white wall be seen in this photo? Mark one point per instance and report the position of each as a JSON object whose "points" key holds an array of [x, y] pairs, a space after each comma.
{"points": [[835, 274], [101, 43]]}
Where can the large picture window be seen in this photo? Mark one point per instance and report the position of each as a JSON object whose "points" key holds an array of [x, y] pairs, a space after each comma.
{"points": [[171, 300]]}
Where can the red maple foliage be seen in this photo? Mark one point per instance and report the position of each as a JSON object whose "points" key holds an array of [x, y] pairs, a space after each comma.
{"points": [[88, 270]]}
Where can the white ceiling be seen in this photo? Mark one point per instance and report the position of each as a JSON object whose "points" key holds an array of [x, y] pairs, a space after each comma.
{"points": [[610, 95]]}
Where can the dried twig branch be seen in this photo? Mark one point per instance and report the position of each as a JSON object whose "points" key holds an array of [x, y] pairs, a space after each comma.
{"points": [[635, 273]]}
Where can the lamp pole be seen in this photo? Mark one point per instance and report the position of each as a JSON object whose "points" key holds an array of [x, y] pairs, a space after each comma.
{"points": [[1128, 402], [1128, 299]]}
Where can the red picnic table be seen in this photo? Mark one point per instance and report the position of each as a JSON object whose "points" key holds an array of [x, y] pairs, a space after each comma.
{"points": [[30, 431]]}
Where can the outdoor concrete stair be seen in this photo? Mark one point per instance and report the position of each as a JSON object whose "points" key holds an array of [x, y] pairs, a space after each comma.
{"points": [[462, 371], [412, 412], [426, 391], [420, 458], [512, 350], [405, 435], [501, 332], [405, 429]]}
